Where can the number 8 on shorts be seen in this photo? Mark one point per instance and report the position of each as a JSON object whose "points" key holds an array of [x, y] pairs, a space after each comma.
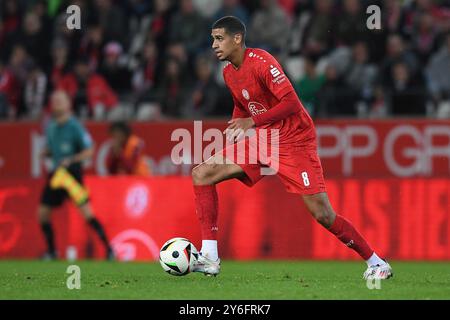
{"points": [[305, 178]]}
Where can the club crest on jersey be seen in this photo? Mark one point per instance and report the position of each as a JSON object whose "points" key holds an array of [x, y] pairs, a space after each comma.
{"points": [[245, 94], [256, 108]]}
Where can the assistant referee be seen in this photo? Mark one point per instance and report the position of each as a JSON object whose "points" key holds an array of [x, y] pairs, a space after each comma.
{"points": [[68, 144]]}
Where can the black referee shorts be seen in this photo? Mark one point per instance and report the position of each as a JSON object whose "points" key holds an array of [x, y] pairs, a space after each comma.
{"points": [[56, 197]]}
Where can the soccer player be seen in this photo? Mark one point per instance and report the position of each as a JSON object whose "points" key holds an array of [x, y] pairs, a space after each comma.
{"points": [[264, 98], [68, 145]]}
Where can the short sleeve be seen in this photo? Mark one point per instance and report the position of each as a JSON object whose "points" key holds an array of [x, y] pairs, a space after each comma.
{"points": [[84, 139], [273, 77]]}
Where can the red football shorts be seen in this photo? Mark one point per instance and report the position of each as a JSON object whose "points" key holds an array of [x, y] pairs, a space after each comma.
{"points": [[299, 168]]}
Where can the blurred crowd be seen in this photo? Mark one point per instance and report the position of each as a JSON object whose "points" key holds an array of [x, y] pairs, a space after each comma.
{"points": [[151, 59]]}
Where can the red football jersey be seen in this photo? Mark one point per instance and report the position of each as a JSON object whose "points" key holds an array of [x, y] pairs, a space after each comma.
{"points": [[257, 86]]}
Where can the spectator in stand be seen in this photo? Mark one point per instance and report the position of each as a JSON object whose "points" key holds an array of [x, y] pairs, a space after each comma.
{"points": [[72, 37], [362, 74], [232, 8], [114, 70], [407, 96], [396, 52], [189, 28], [39, 8], [273, 38], [145, 77], [178, 51], [35, 92], [111, 20], [160, 24], [318, 39], [33, 37], [92, 45], [289, 6], [393, 16], [202, 100], [440, 14], [126, 153], [137, 9], [424, 39], [2, 36], [19, 63], [145, 52], [9, 92], [90, 93], [438, 75], [335, 97], [60, 63], [172, 91], [11, 17], [207, 8], [308, 87], [351, 25]]}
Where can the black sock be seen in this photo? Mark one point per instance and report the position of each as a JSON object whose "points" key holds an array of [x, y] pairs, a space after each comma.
{"points": [[48, 233], [95, 224]]}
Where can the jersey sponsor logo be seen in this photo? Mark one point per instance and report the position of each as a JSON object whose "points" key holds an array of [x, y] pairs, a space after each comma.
{"points": [[274, 71], [278, 76], [256, 108], [245, 94]]}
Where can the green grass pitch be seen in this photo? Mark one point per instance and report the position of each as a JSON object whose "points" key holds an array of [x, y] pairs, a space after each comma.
{"points": [[238, 280]]}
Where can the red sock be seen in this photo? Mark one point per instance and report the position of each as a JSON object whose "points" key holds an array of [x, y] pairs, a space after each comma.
{"points": [[344, 231], [207, 208]]}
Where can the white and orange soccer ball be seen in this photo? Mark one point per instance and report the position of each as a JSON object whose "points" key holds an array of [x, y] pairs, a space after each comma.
{"points": [[178, 256]]}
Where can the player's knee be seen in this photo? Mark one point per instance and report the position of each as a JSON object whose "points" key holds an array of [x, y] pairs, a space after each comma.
{"points": [[323, 213], [43, 214], [203, 174], [325, 218]]}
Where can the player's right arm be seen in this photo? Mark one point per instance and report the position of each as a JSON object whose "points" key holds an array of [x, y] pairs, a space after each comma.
{"points": [[84, 141], [241, 119], [239, 114], [238, 111], [46, 152]]}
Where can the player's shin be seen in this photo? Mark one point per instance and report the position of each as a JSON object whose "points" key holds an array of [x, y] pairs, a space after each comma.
{"points": [[348, 235], [206, 207], [98, 228], [47, 230]]}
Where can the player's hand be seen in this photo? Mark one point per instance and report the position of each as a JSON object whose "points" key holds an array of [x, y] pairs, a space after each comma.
{"points": [[237, 128], [66, 162]]}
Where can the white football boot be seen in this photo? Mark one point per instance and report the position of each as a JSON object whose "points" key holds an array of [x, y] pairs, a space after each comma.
{"points": [[379, 271], [207, 266]]}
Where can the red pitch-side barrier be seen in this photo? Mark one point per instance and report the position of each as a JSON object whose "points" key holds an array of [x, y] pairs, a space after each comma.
{"points": [[402, 218], [348, 148]]}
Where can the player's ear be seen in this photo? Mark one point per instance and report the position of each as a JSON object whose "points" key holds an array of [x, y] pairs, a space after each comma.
{"points": [[238, 38]]}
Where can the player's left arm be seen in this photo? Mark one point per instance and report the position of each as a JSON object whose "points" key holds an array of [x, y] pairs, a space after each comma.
{"points": [[84, 140], [288, 105], [275, 80], [271, 75]]}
